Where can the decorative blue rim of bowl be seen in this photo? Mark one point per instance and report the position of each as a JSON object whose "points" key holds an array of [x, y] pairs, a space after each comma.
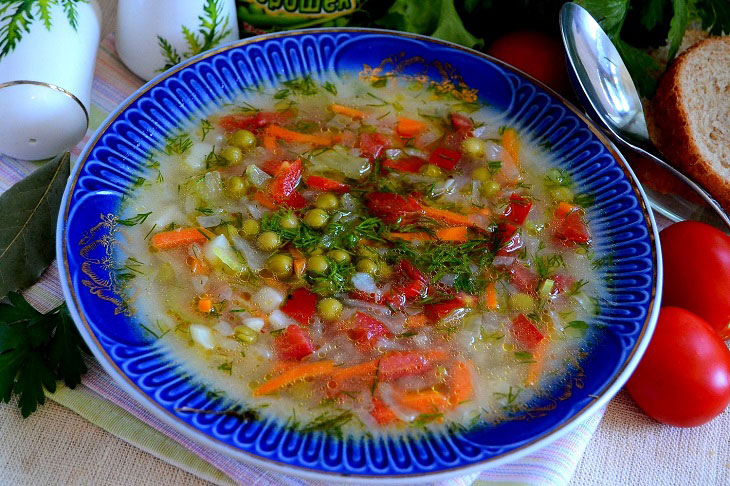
{"points": [[115, 156]]}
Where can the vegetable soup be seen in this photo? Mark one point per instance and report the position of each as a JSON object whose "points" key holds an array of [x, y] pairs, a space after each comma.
{"points": [[362, 256]]}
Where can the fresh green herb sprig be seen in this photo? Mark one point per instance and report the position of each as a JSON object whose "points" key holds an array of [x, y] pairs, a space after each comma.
{"points": [[36, 350], [336, 279]]}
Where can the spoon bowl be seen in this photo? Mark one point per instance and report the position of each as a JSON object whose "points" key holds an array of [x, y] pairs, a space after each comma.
{"points": [[605, 88]]}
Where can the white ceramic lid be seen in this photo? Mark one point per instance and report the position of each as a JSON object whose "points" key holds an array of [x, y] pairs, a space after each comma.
{"points": [[39, 120]]}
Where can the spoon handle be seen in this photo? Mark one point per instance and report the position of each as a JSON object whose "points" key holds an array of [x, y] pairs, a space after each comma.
{"points": [[711, 202]]}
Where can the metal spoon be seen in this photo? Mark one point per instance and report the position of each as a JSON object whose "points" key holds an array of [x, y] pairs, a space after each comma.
{"points": [[608, 94]]}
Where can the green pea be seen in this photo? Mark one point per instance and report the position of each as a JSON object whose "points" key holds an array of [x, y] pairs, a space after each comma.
{"points": [[384, 271], [316, 218], [232, 155], [522, 302], [430, 170], [289, 221], [340, 256], [366, 265], [475, 147], [317, 264], [245, 334], [366, 251], [243, 139], [280, 265], [490, 188], [481, 174], [562, 193], [329, 308], [250, 228], [268, 241], [327, 201], [236, 187]]}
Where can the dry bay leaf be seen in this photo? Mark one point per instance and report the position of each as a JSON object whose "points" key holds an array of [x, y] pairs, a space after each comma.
{"points": [[28, 214]]}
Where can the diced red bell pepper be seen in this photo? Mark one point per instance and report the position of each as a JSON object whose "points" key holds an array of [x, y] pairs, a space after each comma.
{"points": [[285, 182], [523, 278], [254, 123], [439, 310], [301, 306], [295, 201], [508, 239], [325, 184], [407, 363], [381, 413], [372, 145], [366, 330], [294, 343], [444, 158], [461, 122], [453, 140], [408, 284], [570, 230], [411, 164], [391, 207], [272, 166], [364, 296], [561, 283], [518, 209], [525, 333]]}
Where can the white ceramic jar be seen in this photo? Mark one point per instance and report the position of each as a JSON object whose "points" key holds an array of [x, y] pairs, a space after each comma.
{"points": [[45, 83], [154, 35]]}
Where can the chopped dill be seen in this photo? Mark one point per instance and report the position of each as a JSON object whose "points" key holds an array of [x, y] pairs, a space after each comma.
{"points": [[135, 220], [329, 422], [226, 367], [330, 87], [205, 127], [178, 144]]}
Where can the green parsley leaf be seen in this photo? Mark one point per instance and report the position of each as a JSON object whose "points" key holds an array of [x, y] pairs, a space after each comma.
{"points": [[36, 350]]}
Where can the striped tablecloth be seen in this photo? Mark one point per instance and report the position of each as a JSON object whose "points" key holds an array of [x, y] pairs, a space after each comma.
{"points": [[101, 401]]}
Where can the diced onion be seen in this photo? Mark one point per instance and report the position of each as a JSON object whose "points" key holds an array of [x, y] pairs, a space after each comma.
{"points": [[255, 259], [365, 283], [279, 320], [393, 153], [223, 328], [254, 323], [267, 299], [493, 151], [195, 159], [256, 176], [209, 221], [202, 335]]}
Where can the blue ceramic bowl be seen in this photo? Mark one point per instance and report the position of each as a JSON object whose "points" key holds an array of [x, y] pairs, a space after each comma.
{"points": [[113, 158]]}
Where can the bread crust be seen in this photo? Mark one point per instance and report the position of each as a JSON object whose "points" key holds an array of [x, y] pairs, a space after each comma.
{"points": [[674, 136]]}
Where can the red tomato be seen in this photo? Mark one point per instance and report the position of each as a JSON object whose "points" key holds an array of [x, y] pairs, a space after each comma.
{"points": [[390, 207], [538, 54], [444, 158], [300, 306], [372, 145], [697, 272], [461, 122], [523, 278], [570, 230], [518, 209], [284, 184], [397, 364], [325, 184], [411, 164], [525, 333], [294, 343], [254, 123], [684, 377], [366, 330], [442, 309]]}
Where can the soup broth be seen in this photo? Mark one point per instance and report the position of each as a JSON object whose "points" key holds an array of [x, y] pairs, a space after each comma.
{"points": [[362, 256]]}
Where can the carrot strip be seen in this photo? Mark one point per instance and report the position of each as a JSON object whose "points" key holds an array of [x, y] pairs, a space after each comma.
{"points": [[535, 369], [426, 401], [461, 388], [408, 127], [410, 236], [269, 143], [197, 266], [205, 305], [361, 370], [491, 296], [264, 200], [347, 111], [456, 233], [168, 240], [290, 136], [511, 144], [565, 209], [448, 217], [382, 414], [293, 375], [416, 320], [299, 261]]}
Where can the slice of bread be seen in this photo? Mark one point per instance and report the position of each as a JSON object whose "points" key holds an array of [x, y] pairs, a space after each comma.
{"points": [[691, 115]]}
